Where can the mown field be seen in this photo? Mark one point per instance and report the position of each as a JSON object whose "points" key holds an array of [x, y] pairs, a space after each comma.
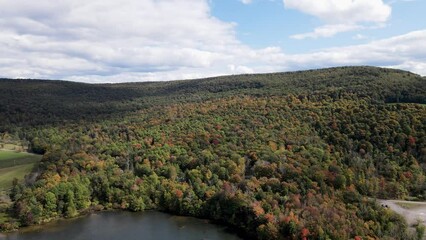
{"points": [[15, 165]]}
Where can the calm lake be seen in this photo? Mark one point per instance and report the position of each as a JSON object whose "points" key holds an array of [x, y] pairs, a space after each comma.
{"points": [[148, 225]]}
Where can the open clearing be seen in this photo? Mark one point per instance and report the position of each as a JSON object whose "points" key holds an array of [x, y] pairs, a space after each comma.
{"points": [[11, 159], [412, 211], [15, 165], [6, 155], [8, 174]]}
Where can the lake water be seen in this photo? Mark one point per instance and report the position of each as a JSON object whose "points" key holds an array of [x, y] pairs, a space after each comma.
{"points": [[148, 225]]}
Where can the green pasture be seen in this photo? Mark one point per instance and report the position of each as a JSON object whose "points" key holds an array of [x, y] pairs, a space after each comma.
{"points": [[15, 165], [11, 158]]}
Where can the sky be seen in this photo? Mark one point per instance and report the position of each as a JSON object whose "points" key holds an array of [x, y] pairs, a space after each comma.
{"points": [[156, 40]]}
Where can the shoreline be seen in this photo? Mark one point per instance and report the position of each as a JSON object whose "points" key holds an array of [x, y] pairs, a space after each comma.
{"points": [[60, 222]]}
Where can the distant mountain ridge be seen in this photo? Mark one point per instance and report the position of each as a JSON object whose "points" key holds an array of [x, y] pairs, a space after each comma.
{"points": [[64, 100]]}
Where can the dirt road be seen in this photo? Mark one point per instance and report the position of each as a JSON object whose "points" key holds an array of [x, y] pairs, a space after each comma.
{"points": [[413, 212]]}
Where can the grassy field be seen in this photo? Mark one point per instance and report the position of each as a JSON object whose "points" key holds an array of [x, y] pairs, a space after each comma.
{"points": [[8, 174], [6, 155], [15, 165], [11, 158]]}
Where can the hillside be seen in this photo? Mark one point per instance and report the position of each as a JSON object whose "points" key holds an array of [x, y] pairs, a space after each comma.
{"points": [[276, 156], [38, 102]]}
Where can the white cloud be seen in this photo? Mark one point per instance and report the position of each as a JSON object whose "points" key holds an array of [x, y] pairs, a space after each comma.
{"points": [[414, 66], [246, 1], [147, 40], [343, 11], [327, 31], [360, 37], [405, 52], [341, 15], [240, 69], [404, 1], [105, 37]]}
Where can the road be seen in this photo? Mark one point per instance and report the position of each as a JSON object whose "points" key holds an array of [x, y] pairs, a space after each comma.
{"points": [[412, 214]]}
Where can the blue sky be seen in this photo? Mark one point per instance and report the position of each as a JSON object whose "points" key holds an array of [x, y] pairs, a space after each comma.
{"points": [[155, 40], [264, 23]]}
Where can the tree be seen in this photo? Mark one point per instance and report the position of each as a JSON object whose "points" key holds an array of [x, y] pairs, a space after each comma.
{"points": [[71, 210], [50, 204]]}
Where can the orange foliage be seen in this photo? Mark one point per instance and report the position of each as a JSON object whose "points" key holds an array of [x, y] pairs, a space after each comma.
{"points": [[178, 193], [137, 146], [257, 209], [304, 233], [269, 217]]}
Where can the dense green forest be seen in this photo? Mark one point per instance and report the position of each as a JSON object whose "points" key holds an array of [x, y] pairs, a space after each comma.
{"points": [[298, 155]]}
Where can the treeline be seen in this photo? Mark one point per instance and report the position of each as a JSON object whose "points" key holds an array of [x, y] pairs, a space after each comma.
{"points": [[304, 163], [31, 103]]}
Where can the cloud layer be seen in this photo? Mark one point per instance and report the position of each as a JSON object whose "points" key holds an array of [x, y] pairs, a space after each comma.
{"points": [[403, 51], [341, 15], [108, 37], [147, 40], [343, 11]]}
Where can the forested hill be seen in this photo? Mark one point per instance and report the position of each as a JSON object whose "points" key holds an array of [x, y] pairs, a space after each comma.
{"points": [[39, 102], [298, 155]]}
